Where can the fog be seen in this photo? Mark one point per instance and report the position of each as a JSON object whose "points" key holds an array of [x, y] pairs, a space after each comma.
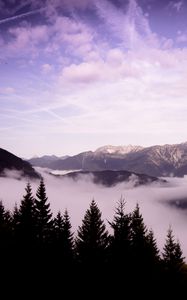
{"points": [[76, 197]]}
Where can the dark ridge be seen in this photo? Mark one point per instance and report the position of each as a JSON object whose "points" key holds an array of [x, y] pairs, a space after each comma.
{"points": [[110, 178], [9, 161]]}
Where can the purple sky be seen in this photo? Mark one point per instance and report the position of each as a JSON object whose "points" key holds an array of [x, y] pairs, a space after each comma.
{"points": [[78, 74]]}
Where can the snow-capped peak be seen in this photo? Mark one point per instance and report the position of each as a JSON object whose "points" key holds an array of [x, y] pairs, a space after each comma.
{"points": [[109, 149]]}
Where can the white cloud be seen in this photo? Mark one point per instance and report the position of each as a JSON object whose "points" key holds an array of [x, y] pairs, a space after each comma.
{"points": [[176, 5], [83, 73], [46, 68], [7, 90], [182, 37]]}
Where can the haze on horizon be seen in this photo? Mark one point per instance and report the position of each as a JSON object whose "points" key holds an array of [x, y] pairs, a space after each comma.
{"points": [[79, 74]]}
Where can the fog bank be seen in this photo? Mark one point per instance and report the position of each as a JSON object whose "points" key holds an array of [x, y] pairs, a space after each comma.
{"points": [[76, 197]]}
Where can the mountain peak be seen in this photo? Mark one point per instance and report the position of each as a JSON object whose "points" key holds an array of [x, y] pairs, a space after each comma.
{"points": [[109, 149]]}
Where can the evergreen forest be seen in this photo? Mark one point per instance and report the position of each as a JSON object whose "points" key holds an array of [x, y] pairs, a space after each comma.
{"points": [[38, 249]]}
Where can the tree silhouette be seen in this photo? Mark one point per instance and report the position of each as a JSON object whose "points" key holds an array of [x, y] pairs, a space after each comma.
{"points": [[68, 243], [172, 255], [5, 227], [138, 234], [92, 238], [153, 251], [63, 237], [43, 214], [27, 218], [120, 240], [173, 262]]}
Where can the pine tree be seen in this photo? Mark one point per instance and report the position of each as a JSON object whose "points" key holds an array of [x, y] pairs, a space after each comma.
{"points": [[68, 243], [153, 251], [173, 262], [63, 235], [92, 238], [139, 249], [179, 258], [138, 233], [172, 255], [120, 240], [58, 225], [15, 218], [43, 214], [26, 218], [5, 226]]}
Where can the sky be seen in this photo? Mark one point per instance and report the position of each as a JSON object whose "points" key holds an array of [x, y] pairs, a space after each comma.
{"points": [[79, 74]]}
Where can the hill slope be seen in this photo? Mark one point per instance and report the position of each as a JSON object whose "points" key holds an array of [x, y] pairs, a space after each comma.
{"points": [[10, 162]]}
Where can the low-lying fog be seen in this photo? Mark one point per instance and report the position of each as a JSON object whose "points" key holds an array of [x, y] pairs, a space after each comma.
{"points": [[76, 197]]}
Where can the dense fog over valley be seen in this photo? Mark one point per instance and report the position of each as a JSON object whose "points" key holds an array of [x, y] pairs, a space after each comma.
{"points": [[154, 199]]}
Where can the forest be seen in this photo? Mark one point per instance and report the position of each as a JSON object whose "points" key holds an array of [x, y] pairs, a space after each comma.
{"points": [[33, 241]]}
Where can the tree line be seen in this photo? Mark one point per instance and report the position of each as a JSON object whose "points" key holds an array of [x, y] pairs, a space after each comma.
{"points": [[33, 241]]}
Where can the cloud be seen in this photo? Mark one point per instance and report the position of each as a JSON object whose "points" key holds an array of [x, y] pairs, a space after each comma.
{"points": [[182, 37], [83, 73], [25, 41], [106, 63], [132, 27], [7, 90], [46, 68], [176, 5]]}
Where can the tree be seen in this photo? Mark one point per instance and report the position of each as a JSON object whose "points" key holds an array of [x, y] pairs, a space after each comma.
{"points": [[173, 262], [153, 251], [172, 255], [138, 234], [43, 214], [26, 218], [63, 236], [5, 226], [68, 243], [92, 238], [120, 240]]}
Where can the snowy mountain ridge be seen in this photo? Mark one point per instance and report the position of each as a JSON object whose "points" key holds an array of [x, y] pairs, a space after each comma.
{"points": [[109, 149]]}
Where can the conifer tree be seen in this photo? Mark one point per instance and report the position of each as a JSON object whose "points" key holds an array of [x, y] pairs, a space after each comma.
{"points": [[179, 255], [26, 217], [68, 243], [172, 255], [5, 226], [120, 240], [63, 235], [58, 225], [43, 214], [153, 251], [139, 246], [138, 232], [92, 238]]}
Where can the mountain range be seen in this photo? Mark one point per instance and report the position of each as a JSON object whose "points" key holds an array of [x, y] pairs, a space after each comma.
{"points": [[158, 160]]}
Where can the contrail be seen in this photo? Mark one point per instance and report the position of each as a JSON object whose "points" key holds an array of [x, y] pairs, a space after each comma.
{"points": [[6, 20]]}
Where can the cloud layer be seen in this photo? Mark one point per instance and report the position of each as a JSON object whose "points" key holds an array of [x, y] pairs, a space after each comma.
{"points": [[76, 197]]}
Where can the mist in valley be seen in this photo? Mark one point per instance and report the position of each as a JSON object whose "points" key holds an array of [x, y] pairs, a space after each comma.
{"points": [[154, 200]]}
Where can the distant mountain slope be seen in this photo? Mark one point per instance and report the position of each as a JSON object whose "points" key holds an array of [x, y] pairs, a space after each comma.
{"points": [[10, 162], [45, 161], [111, 178], [166, 160]]}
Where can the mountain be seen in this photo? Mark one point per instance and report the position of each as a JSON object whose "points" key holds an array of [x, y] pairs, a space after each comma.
{"points": [[45, 161], [10, 163], [165, 160], [109, 149], [111, 178]]}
